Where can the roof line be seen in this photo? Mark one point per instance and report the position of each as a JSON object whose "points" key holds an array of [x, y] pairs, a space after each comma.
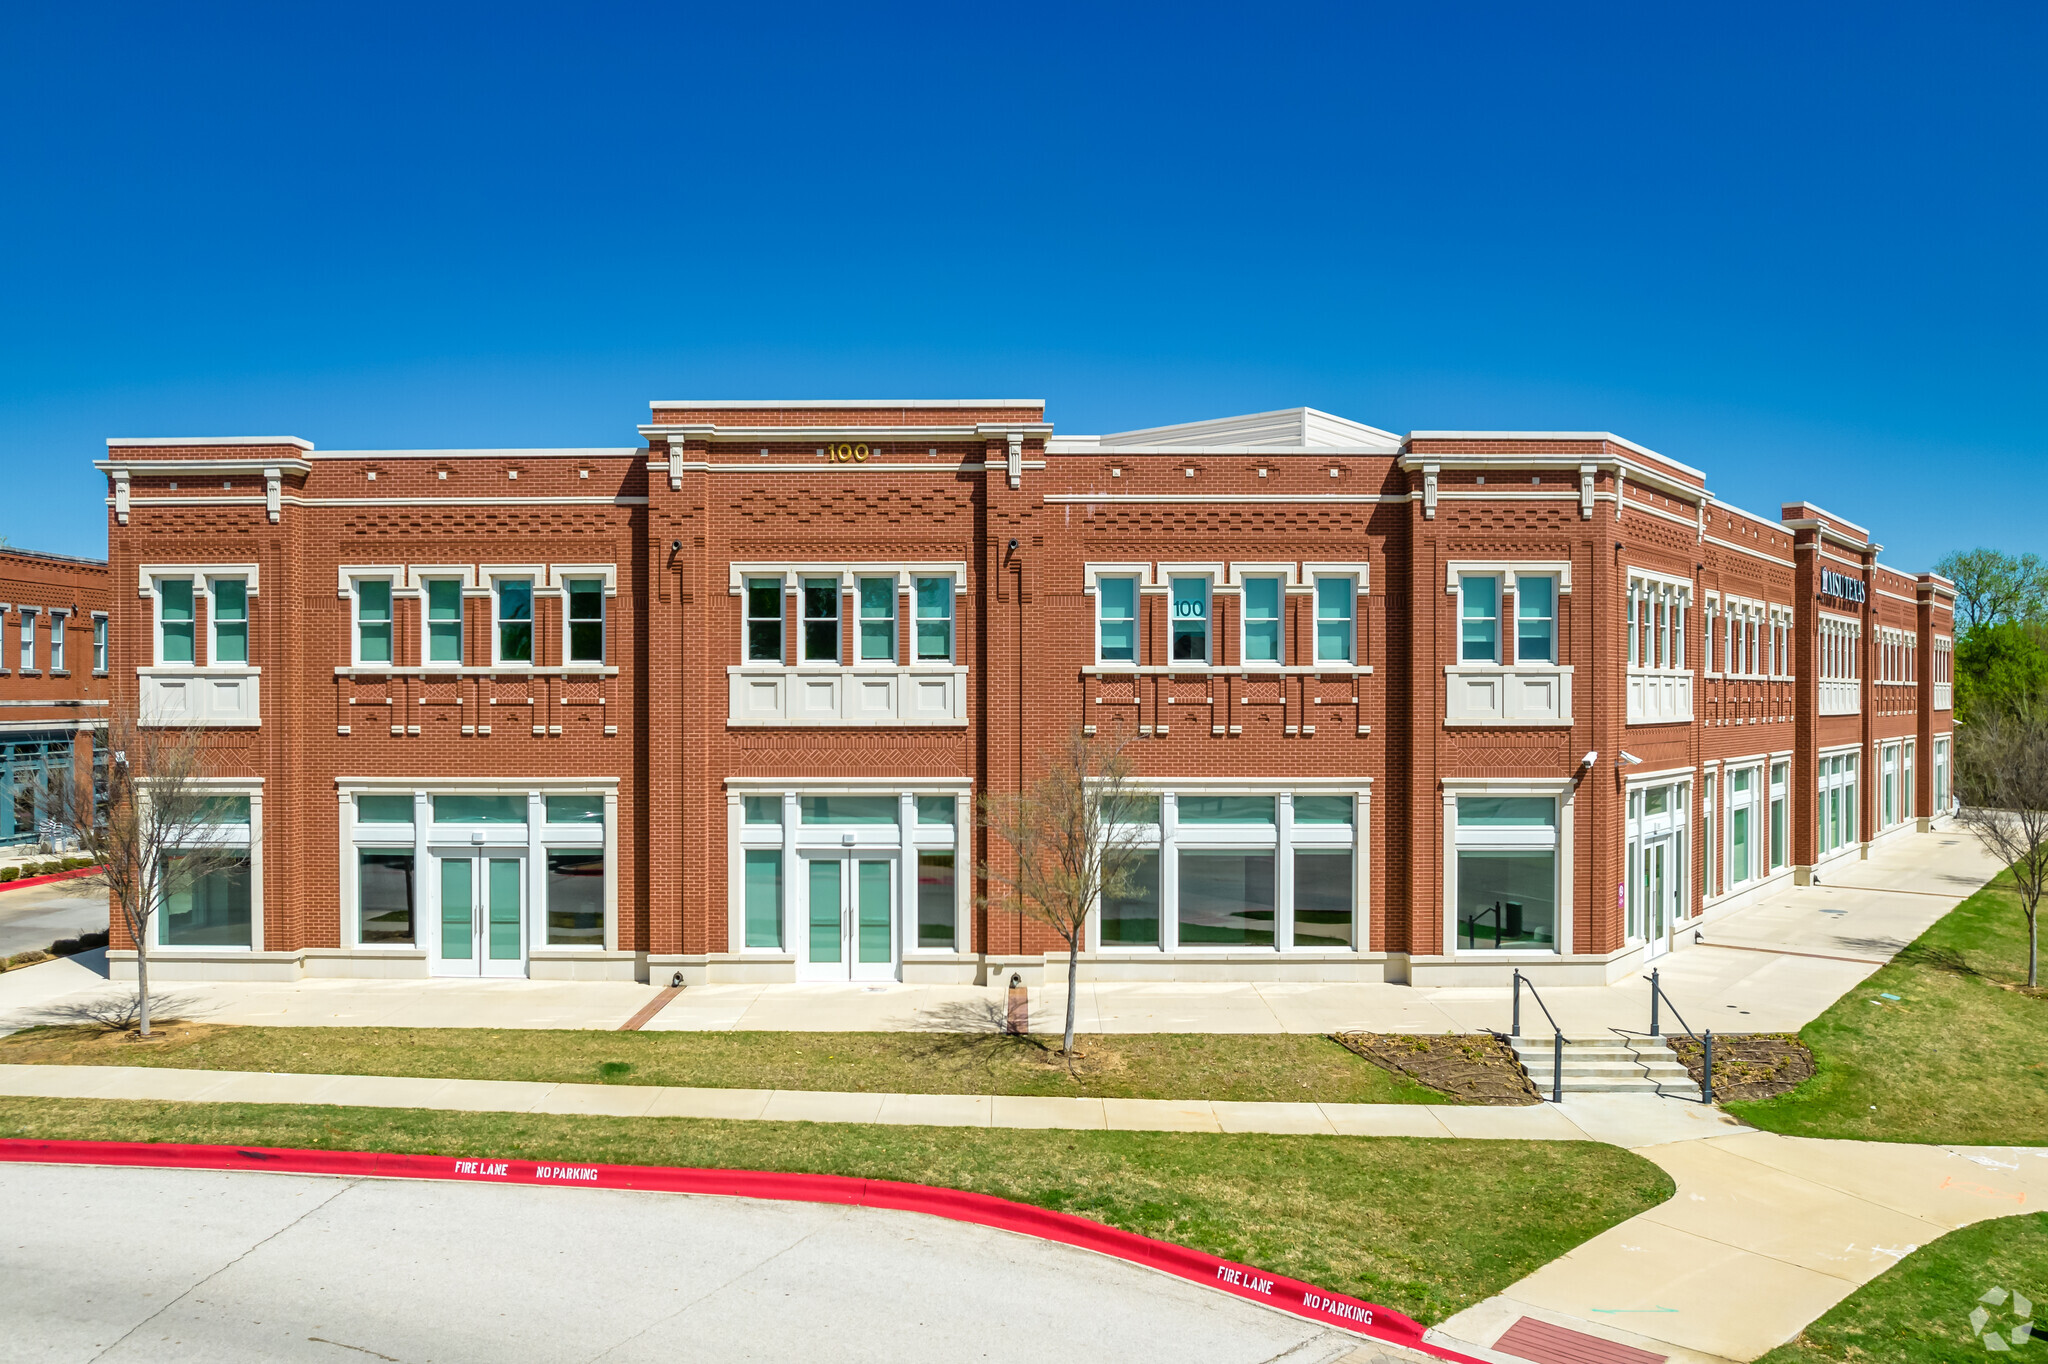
{"points": [[815, 404]]}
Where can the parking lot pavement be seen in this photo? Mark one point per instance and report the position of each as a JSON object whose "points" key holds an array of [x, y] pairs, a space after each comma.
{"points": [[36, 916], [173, 1265]]}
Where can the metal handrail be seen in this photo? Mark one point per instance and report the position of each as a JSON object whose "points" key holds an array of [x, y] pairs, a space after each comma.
{"points": [[1706, 1044], [1556, 1040]]}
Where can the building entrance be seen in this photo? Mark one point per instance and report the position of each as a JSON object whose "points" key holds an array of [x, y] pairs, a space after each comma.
{"points": [[849, 918], [1660, 856], [480, 909]]}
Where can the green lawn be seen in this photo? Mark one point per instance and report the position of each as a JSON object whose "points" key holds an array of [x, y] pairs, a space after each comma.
{"points": [[1424, 1226], [1918, 1311], [1957, 1057], [1122, 1066]]}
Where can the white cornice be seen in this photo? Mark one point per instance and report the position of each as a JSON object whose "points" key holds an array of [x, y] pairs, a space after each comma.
{"points": [[840, 404], [566, 452], [772, 435], [195, 442], [1607, 436], [147, 468], [1086, 445]]}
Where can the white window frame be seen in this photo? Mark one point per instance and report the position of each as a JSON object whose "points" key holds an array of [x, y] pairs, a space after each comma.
{"points": [[1564, 792], [27, 661], [497, 583], [952, 618], [894, 597], [355, 619], [1207, 579], [1556, 644], [57, 623], [1244, 619], [156, 615], [747, 621], [102, 643], [252, 842], [568, 625], [1499, 580], [839, 584], [213, 658], [423, 584], [1135, 576], [1354, 588]]}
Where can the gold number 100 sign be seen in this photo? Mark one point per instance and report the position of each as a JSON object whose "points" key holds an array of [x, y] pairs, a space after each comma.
{"points": [[847, 453]]}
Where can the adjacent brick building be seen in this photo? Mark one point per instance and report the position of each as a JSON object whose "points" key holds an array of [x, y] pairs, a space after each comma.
{"points": [[1418, 708], [53, 685]]}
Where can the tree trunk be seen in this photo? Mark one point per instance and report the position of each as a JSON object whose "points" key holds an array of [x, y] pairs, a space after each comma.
{"points": [[142, 978], [1073, 973], [2034, 947]]}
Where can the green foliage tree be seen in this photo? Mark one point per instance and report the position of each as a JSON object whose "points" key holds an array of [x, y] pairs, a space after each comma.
{"points": [[1994, 587], [2001, 668]]}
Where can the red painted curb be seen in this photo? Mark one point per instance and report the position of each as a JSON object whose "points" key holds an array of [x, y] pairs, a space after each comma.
{"points": [[71, 875], [1243, 1281]]}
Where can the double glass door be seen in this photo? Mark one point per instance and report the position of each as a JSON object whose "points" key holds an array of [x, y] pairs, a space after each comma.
{"points": [[482, 916], [849, 918]]}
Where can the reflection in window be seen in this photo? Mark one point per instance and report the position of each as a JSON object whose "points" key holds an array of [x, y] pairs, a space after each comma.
{"points": [[935, 899], [209, 907], [821, 620], [878, 620], [515, 620], [575, 809], [174, 619], [1116, 606], [934, 619], [383, 809], [1322, 898], [575, 891], [1226, 899], [1262, 633], [230, 613], [1336, 601], [1479, 619], [384, 896], [1130, 918], [764, 620], [762, 809], [848, 809], [444, 620], [479, 809], [1535, 620], [1507, 898], [764, 897], [1191, 620], [586, 620], [1226, 809]]}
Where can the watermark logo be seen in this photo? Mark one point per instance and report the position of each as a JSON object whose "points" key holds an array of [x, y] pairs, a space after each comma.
{"points": [[2002, 1320]]}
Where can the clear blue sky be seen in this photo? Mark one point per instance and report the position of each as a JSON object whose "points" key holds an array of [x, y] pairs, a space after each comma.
{"points": [[1801, 247]]}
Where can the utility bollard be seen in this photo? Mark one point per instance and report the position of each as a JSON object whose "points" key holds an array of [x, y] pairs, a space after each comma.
{"points": [[1557, 1068], [1653, 1003], [1707, 1076], [1518, 1006]]}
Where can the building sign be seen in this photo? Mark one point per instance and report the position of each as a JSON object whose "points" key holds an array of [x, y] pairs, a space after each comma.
{"points": [[1833, 584]]}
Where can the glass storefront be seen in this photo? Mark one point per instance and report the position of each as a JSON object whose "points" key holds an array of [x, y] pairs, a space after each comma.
{"points": [[1506, 873]]}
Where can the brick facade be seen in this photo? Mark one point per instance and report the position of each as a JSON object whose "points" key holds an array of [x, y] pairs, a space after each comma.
{"points": [[53, 697], [1462, 759]]}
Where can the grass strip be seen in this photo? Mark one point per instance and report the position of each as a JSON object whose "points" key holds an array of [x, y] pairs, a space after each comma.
{"points": [[1254, 1066], [1918, 1311], [1940, 1045], [1426, 1226]]}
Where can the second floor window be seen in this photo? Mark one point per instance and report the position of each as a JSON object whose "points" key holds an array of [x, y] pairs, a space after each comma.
{"points": [[1535, 619], [373, 620], [586, 620], [878, 620], [515, 620], [764, 620], [28, 641], [1478, 619], [934, 620], [229, 616], [1264, 635], [444, 620], [99, 644], [56, 644], [174, 620], [1336, 607], [821, 620], [1116, 620], [1191, 620]]}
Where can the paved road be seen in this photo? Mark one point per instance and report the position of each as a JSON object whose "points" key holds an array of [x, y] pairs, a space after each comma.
{"points": [[38, 915], [172, 1265]]}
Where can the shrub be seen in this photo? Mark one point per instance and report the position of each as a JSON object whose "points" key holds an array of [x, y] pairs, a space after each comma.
{"points": [[26, 959], [64, 947], [9, 873], [88, 941]]}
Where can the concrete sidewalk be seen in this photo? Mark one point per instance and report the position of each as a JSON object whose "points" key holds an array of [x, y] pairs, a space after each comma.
{"points": [[1764, 1235], [1621, 1120], [1864, 911]]}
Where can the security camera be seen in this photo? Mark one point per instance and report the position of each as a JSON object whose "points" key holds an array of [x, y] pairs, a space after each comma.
{"points": [[1590, 758], [1631, 759]]}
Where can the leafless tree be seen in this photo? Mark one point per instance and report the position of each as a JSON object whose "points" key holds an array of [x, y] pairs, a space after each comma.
{"points": [[1071, 844], [154, 832], [2002, 777]]}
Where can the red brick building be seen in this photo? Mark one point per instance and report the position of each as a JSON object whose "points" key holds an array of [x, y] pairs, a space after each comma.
{"points": [[1415, 708], [53, 684]]}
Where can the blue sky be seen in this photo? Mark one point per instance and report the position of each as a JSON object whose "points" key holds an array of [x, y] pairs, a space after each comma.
{"points": [[1800, 247]]}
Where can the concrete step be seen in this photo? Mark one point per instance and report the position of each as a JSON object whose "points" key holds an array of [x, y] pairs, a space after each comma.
{"points": [[1684, 1085], [1604, 1065], [1597, 1069]]}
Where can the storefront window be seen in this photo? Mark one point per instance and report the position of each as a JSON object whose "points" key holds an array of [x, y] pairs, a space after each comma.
{"points": [[1131, 918], [384, 895], [935, 902], [1778, 849], [1506, 891], [1323, 810], [1322, 898], [1226, 899], [937, 809], [575, 904], [207, 907], [764, 896], [575, 809], [762, 809], [383, 809]]}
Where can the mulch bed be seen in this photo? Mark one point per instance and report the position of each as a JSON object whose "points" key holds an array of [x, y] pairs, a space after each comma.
{"points": [[1753, 1065], [1473, 1068]]}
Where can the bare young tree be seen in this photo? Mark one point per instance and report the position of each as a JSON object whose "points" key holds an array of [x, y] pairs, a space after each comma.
{"points": [[154, 832], [2002, 777], [1071, 843]]}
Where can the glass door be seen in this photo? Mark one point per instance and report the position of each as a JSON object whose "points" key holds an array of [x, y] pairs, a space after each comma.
{"points": [[849, 919], [1658, 885], [481, 922]]}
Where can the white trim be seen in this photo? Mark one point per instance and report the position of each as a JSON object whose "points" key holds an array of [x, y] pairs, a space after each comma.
{"points": [[1508, 569], [839, 404], [561, 452], [146, 574], [172, 442], [1057, 498]]}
